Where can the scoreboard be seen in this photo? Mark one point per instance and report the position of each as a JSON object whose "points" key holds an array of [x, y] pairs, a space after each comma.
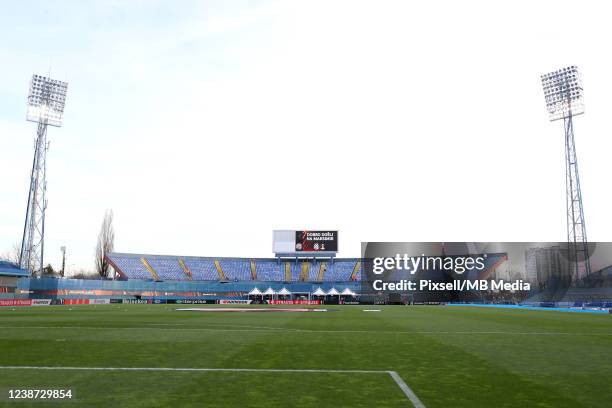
{"points": [[304, 241], [314, 241]]}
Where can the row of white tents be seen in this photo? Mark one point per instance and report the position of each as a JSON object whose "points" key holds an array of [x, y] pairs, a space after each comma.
{"points": [[333, 292], [318, 292]]}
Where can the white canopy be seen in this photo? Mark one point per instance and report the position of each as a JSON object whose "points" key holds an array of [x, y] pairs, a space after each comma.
{"points": [[269, 291], [284, 291], [319, 292], [255, 291], [348, 292], [333, 292]]}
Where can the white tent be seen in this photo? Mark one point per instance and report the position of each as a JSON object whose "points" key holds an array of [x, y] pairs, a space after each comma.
{"points": [[269, 291], [347, 292], [284, 292], [319, 292], [333, 292], [255, 292]]}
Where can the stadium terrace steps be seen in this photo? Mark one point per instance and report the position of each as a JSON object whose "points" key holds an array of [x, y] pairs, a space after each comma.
{"points": [[185, 269], [322, 269], [287, 272], [220, 271], [355, 270], [305, 271], [150, 269]]}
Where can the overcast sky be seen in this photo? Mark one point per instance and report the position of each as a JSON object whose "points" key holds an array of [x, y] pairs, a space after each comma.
{"points": [[205, 125]]}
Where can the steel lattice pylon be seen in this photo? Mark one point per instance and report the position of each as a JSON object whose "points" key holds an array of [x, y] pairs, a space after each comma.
{"points": [[46, 102], [576, 228], [32, 244], [564, 99]]}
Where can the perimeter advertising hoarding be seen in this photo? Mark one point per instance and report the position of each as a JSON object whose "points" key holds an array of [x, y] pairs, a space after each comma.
{"points": [[294, 302], [15, 302]]}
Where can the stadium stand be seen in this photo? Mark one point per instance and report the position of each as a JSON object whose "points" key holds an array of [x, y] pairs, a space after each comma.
{"points": [[167, 269], [340, 271], [202, 269], [187, 271], [304, 271], [10, 269], [253, 270], [313, 272], [268, 270], [170, 268], [130, 263], [150, 269], [236, 269], [175, 268], [220, 272], [322, 269]]}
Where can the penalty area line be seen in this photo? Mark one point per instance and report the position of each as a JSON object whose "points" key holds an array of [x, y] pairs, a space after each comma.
{"points": [[416, 402]]}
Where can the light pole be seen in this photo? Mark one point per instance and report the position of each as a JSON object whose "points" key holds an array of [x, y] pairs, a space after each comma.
{"points": [[46, 101], [564, 100], [63, 249]]}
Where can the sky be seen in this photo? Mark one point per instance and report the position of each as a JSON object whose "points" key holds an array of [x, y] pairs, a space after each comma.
{"points": [[205, 125]]}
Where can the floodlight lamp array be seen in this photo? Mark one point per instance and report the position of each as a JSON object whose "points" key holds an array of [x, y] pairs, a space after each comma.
{"points": [[46, 100], [563, 93]]}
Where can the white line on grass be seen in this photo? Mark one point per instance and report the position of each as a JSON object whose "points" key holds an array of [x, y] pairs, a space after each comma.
{"points": [[214, 325], [290, 330], [406, 389], [416, 402]]}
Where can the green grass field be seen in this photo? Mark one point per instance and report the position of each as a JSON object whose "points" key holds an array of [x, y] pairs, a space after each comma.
{"points": [[449, 356]]}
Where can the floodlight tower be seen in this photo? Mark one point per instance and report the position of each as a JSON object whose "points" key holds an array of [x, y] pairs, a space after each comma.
{"points": [[46, 101], [564, 100]]}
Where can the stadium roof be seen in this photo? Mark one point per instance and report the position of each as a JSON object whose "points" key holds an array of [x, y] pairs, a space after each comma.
{"points": [[10, 269]]}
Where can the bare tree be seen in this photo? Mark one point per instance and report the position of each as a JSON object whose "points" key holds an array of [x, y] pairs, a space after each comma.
{"points": [[84, 274], [13, 254], [106, 244]]}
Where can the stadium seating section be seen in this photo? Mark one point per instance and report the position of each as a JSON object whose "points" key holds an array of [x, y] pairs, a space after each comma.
{"points": [[10, 269], [175, 268]]}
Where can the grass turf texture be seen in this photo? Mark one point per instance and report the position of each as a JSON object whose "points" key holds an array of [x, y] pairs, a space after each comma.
{"points": [[450, 357]]}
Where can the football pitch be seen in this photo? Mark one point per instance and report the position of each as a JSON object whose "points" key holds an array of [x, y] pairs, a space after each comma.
{"points": [[436, 356]]}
